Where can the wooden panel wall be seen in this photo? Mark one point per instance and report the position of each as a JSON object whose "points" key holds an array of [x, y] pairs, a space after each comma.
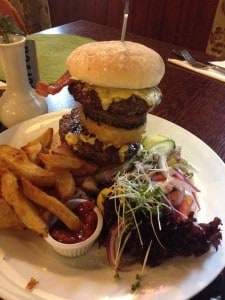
{"points": [[182, 22]]}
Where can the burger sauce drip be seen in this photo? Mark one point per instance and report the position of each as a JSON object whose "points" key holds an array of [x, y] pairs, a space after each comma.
{"points": [[85, 212]]}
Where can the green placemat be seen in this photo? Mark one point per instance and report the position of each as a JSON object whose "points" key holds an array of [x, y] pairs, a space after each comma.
{"points": [[52, 52]]}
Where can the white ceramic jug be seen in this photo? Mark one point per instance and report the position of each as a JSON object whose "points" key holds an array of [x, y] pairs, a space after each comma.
{"points": [[19, 102]]}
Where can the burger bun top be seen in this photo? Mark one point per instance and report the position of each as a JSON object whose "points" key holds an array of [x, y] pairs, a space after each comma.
{"points": [[116, 64]]}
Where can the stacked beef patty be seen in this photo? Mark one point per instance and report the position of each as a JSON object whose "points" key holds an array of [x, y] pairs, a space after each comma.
{"points": [[115, 84]]}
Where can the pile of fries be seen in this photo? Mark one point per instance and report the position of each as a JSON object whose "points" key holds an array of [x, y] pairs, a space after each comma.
{"points": [[36, 181]]}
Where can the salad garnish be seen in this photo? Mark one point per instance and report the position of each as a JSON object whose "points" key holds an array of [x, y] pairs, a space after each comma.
{"points": [[150, 210]]}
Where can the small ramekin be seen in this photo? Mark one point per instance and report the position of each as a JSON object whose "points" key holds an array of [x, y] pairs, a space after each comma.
{"points": [[81, 248]]}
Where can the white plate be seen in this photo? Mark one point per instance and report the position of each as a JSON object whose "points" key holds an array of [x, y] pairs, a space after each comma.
{"points": [[25, 255]]}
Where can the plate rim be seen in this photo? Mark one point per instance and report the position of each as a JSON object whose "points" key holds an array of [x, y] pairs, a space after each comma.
{"points": [[59, 113]]}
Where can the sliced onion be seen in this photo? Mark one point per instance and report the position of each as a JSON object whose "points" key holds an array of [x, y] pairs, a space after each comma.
{"points": [[114, 251], [196, 200], [111, 245], [181, 175], [176, 173], [183, 184]]}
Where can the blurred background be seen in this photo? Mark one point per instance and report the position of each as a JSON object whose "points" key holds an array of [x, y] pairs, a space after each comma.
{"points": [[195, 24]]}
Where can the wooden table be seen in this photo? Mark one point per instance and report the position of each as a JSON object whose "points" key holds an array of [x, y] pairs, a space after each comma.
{"points": [[193, 101]]}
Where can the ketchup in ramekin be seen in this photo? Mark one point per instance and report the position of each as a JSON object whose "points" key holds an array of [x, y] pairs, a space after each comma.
{"points": [[73, 244], [88, 217]]}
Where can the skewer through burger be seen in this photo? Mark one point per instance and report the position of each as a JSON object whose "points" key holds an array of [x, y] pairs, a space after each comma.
{"points": [[115, 84]]}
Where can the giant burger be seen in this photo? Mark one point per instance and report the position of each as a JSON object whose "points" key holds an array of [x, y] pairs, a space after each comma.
{"points": [[115, 84]]}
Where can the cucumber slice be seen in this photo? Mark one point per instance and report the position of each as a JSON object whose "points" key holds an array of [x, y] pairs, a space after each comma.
{"points": [[164, 147], [150, 140]]}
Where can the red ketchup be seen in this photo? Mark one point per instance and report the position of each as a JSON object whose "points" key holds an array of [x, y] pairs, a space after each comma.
{"points": [[85, 212]]}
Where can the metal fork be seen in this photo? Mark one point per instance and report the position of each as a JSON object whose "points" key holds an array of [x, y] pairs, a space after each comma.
{"points": [[190, 59], [199, 65]]}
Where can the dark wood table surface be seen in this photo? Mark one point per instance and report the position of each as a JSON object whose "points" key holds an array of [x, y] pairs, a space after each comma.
{"points": [[191, 100]]}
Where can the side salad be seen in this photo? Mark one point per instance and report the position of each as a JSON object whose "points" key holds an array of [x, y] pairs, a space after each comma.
{"points": [[150, 210]]}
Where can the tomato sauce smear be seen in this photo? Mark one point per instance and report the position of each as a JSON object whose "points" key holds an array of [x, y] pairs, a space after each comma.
{"points": [[85, 212]]}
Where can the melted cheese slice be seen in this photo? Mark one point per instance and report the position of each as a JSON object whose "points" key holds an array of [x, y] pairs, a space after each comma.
{"points": [[152, 96], [109, 95]]}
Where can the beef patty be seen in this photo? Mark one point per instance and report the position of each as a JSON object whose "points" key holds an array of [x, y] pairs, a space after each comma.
{"points": [[95, 150], [134, 108]]}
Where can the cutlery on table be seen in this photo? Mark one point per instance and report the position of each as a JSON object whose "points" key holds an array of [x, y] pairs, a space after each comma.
{"points": [[185, 54]]}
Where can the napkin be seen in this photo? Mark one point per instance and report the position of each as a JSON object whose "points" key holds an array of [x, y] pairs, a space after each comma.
{"points": [[2, 85], [210, 73], [52, 52], [220, 63]]}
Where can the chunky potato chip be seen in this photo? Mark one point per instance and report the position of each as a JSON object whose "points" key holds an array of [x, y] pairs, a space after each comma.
{"points": [[33, 150], [3, 167], [89, 185], [88, 168], [60, 161], [63, 151], [9, 150], [18, 161], [24, 208], [64, 184], [51, 203], [8, 217], [45, 139]]}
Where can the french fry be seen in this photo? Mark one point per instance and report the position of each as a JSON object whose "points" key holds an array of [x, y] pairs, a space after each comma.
{"points": [[61, 161], [64, 184], [18, 207], [87, 168], [8, 217], [52, 204], [33, 150], [18, 161], [89, 185], [24, 208], [40, 144], [6, 149], [3, 167], [63, 151], [45, 139]]}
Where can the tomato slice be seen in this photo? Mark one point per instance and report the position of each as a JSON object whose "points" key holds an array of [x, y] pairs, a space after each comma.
{"points": [[185, 206], [158, 177]]}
